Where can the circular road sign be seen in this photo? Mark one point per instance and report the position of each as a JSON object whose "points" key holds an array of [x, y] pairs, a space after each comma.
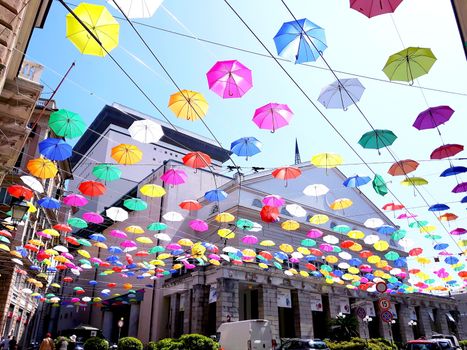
{"points": [[120, 323], [386, 316], [384, 303], [381, 287], [361, 312]]}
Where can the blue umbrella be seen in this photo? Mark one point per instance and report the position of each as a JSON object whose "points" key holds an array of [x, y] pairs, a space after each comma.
{"points": [[451, 260], [369, 276], [98, 237], [300, 40], [354, 262], [215, 195], [451, 282], [438, 207], [92, 282], [386, 229], [341, 94], [115, 250], [281, 256], [112, 258], [49, 203], [454, 170], [55, 149], [400, 262], [356, 181], [441, 246], [246, 147], [22, 251]]}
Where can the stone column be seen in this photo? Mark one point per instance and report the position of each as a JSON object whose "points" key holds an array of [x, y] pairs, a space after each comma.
{"points": [[187, 312], [302, 304], [403, 315], [133, 320], [441, 320], [424, 322], [268, 308], [199, 308], [227, 301], [334, 307], [174, 308], [107, 321]]}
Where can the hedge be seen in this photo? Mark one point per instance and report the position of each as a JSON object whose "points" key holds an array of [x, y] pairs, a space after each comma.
{"points": [[130, 343], [361, 344], [185, 342], [463, 343], [96, 343]]}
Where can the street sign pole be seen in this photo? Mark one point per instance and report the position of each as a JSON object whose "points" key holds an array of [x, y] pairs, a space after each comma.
{"points": [[120, 325]]}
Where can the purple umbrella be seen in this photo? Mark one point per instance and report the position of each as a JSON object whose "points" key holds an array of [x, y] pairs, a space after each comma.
{"points": [[273, 201], [229, 79], [458, 231], [272, 116], [75, 200], [433, 117], [198, 225], [462, 187], [314, 233], [93, 217], [174, 177]]}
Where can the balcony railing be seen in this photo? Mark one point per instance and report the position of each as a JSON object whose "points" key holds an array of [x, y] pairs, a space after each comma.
{"points": [[31, 71]]}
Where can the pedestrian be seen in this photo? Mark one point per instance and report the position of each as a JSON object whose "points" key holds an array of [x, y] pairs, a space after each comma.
{"points": [[13, 343], [72, 343], [63, 344], [2, 343], [47, 343]]}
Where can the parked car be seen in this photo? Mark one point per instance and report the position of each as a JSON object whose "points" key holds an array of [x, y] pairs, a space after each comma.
{"points": [[303, 344], [451, 338], [423, 344], [246, 335]]}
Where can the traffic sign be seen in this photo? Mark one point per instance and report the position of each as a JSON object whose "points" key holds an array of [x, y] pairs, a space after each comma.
{"points": [[361, 312], [120, 323], [381, 287], [386, 316], [384, 304]]}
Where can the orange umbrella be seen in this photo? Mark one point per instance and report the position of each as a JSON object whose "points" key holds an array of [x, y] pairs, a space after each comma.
{"points": [[92, 188], [197, 160], [42, 168], [448, 217], [403, 167], [189, 105], [190, 205], [126, 154], [287, 173]]}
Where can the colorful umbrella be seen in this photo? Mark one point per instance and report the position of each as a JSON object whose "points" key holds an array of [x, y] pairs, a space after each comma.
{"points": [[341, 204], [403, 167], [67, 124], [77, 222], [448, 217], [172, 216], [433, 117], [215, 195], [107, 172], [269, 214], [100, 22], [126, 154], [409, 64], [118, 234], [49, 203], [454, 170], [446, 151], [295, 210], [371, 8], [224, 217], [93, 217], [92, 188], [300, 40], [315, 190], [190, 205], [327, 160], [414, 181], [438, 207], [319, 219], [246, 147], [55, 149], [356, 181], [379, 185], [377, 139], [188, 105], [135, 204], [273, 201], [42, 168], [197, 160], [33, 183], [272, 116], [151, 190], [146, 131], [286, 173], [19, 191], [116, 214], [459, 188], [199, 225], [229, 79], [75, 200], [341, 94], [137, 8], [174, 177]]}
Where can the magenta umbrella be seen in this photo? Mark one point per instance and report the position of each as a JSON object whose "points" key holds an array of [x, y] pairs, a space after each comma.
{"points": [[273, 201], [407, 216], [229, 79], [326, 247], [118, 234], [75, 200], [93, 217], [314, 233], [128, 244], [458, 231], [272, 116], [67, 255], [174, 177], [198, 225], [462, 187], [441, 273], [433, 117], [249, 239], [43, 234], [173, 246], [371, 8]]}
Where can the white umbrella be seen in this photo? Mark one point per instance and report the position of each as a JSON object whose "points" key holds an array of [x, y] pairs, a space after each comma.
{"points": [[405, 242], [297, 255], [27, 291], [331, 239], [295, 210], [315, 190], [33, 183], [371, 239], [163, 237], [145, 131], [345, 255], [17, 261], [173, 216], [86, 299], [343, 265], [116, 214], [60, 248], [374, 223], [137, 8], [341, 94], [256, 227]]}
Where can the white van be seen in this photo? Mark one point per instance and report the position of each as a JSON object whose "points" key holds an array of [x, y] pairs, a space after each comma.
{"points": [[246, 335]]}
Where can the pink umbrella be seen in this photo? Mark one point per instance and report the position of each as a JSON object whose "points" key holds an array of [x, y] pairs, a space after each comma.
{"points": [[75, 300], [314, 233], [272, 116], [441, 273], [250, 239], [68, 256], [445, 253], [95, 260], [198, 225], [294, 260], [128, 244], [229, 79], [458, 231], [174, 177], [75, 200], [70, 265], [273, 201], [214, 257], [118, 234], [42, 234], [173, 246], [407, 216], [93, 217], [326, 247], [366, 268], [371, 8]]}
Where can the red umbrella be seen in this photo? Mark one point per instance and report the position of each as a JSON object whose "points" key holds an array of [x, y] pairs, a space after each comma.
{"points": [[63, 228], [197, 160], [92, 188], [347, 244], [19, 191], [6, 234], [269, 214], [68, 279], [190, 205], [365, 254], [403, 167], [415, 251], [393, 206], [446, 151], [371, 8], [316, 252], [287, 173], [72, 240], [31, 247]]}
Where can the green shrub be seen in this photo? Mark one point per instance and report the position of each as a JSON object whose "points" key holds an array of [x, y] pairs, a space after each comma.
{"points": [[130, 343], [361, 344], [59, 340], [198, 342], [165, 344], [96, 343], [463, 343]]}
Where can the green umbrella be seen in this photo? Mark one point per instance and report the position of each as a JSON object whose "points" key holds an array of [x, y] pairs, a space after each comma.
{"points": [[156, 249], [84, 262], [107, 172], [157, 226], [376, 139], [433, 237], [135, 204], [459, 268], [341, 228], [379, 185], [418, 224], [336, 249], [84, 242], [399, 234], [4, 240], [77, 222], [245, 224], [66, 124], [277, 265], [409, 64], [308, 242], [391, 256]]}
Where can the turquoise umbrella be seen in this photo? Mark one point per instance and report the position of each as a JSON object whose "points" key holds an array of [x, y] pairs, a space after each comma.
{"points": [[377, 139], [135, 204], [107, 172]]}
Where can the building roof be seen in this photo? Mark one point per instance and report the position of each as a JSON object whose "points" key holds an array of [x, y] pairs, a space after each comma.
{"points": [[118, 115]]}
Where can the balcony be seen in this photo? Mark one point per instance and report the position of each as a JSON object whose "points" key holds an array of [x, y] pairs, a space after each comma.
{"points": [[31, 71]]}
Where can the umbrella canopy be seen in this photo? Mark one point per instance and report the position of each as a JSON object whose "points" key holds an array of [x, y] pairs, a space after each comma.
{"points": [[19, 191], [433, 117], [174, 177], [199, 225], [327, 160], [446, 151], [229, 79], [100, 22], [92, 188], [75, 200], [32, 183], [414, 181], [246, 147], [215, 195], [462, 187], [371, 8], [137, 8], [269, 214], [146, 131], [49, 203], [116, 214], [286, 173], [190, 205], [403, 167], [107, 172], [409, 64], [448, 217], [77, 222], [273, 201], [296, 210], [356, 181], [341, 94], [454, 170], [438, 207], [315, 190], [42, 168], [197, 160], [340, 204], [55, 149], [135, 204], [152, 190], [272, 116], [373, 223], [67, 124], [126, 154], [379, 185], [188, 105], [92, 217], [377, 139], [301, 41]]}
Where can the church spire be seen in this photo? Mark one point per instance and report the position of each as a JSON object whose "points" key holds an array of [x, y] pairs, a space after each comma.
{"points": [[297, 153]]}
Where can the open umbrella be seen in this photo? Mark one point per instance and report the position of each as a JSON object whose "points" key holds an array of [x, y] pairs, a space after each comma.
{"points": [[433, 117], [356, 181], [152, 190], [92, 188], [454, 170], [446, 151], [403, 167], [137, 8], [272, 116], [174, 177], [197, 160], [100, 22], [409, 64], [438, 207], [77, 222], [273, 201], [229, 79], [246, 147], [116, 214], [107, 172], [371, 8], [414, 181], [379, 185], [136, 204], [49, 203], [146, 131], [126, 154], [190, 205], [42, 168], [67, 124], [300, 40], [199, 225], [75, 200], [286, 173], [188, 105], [326, 160], [341, 94], [215, 195], [269, 214], [55, 149], [377, 139], [462, 187], [315, 190], [32, 183], [92, 217], [19, 191], [340, 204]]}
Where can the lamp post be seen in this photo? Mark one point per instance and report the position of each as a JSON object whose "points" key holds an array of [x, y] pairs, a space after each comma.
{"points": [[18, 211], [367, 319], [390, 332], [412, 324]]}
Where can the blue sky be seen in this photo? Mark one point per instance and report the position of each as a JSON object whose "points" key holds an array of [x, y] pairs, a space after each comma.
{"points": [[356, 44]]}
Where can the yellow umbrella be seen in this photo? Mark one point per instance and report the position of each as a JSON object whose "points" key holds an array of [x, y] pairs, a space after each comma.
{"points": [[185, 242], [225, 217], [290, 225], [134, 229], [326, 160], [286, 248], [249, 253], [189, 105], [100, 22], [319, 219], [31, 207], [42, 168], [4, 247], [267, 243], [84, 253], [214, 262], [152, 190], [145, 240], [353, 270], [356, 247], [381, 264], [304, 274], [100, 245], [60, 259], [373, 259], [16, 254], [381, 246], [303, 250], [356, 234], [341, 204], [422, 260], [414, 181], [427, 229], [164, 256], [226, 233], [36, 242], [263, 266], [52, 232], [332, 259], [52, 252], [55, 285], [157, 262], [126, 154]]}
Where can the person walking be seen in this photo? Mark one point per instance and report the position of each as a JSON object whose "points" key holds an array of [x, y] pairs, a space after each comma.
{"points": [[13, 343], [72, 342], [4, 345], [63, 344], [47, 343]]}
